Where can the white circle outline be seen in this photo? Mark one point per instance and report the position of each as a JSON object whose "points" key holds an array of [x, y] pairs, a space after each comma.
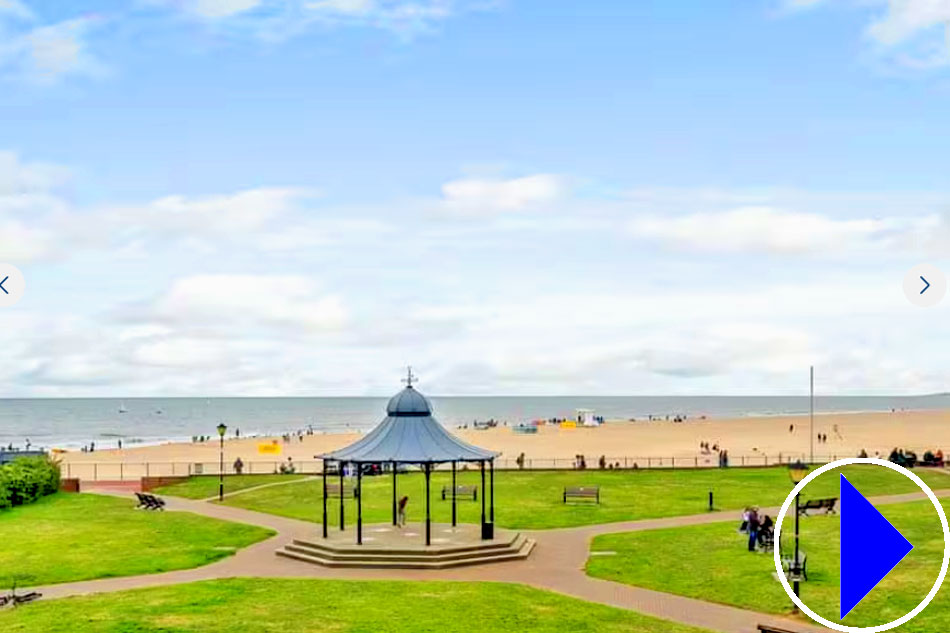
{"points": [[861, 629]]}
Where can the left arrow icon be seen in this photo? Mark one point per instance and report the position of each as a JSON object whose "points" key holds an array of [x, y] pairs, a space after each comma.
{"points": [[11, 285]]}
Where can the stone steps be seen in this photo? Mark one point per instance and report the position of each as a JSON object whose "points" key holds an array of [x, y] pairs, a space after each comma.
{"points": [[517, 548]]}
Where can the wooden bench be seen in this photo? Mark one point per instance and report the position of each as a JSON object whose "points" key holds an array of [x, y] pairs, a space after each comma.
{"points": [[149, 502], [587, 493], [333, 490], [460, 491], [828, 505], [768, 628]]}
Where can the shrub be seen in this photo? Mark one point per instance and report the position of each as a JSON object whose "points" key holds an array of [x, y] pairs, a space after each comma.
{"points": [[25, 480]]}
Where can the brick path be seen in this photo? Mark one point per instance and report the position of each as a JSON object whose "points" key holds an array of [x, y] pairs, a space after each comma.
{"points": [[557, 564]]}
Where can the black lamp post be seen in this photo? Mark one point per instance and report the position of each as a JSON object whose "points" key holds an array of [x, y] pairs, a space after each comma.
{"points": [[222, 429], [797, 472]]}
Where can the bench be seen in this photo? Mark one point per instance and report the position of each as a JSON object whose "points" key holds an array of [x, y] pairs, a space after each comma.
{"points": [[787, 563], [828, 505], [17, 600], [460, 491], [149, 502], [588, 493], [768, 628], [333, 490]]}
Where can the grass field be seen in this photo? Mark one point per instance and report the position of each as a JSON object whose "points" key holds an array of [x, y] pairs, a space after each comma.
{"points": [[207, 486], [68, 537], [710, 562], [304, 606], [532, 500]]}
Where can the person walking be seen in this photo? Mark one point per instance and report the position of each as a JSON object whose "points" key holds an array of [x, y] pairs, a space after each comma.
{"points": [[401, 517]]}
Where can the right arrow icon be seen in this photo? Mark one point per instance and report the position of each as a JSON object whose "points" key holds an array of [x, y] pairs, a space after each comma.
{"points": [[926, 284], [870, 547]]}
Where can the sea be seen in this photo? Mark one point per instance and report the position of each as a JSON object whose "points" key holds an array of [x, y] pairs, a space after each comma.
{"points": [[73, 423]]}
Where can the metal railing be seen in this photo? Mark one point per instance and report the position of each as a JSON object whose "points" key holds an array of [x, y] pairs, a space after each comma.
{"points": [[128, 471]]}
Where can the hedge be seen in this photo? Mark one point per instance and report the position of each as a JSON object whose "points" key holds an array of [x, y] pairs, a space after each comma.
{"points": [[26, 479]]}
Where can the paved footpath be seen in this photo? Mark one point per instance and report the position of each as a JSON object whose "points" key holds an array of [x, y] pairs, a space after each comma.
{"points": [[557, 564]]}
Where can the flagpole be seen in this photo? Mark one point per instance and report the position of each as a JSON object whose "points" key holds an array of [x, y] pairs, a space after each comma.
{"points": [[811, 411]]}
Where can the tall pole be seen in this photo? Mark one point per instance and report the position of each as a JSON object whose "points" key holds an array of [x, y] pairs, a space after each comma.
{"points": [[454, 517], [796, 568], [339, 466], [221, 471], [324, 469], [483, 494], [428, 518], [395, 518], [359, 503], [491, 465], [811, 411]]}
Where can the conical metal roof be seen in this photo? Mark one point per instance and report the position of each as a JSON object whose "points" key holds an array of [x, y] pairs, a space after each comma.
{"points": [[409, 434]]}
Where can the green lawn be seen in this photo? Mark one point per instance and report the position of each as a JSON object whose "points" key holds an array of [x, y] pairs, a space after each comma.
{"points": [[711, 562], [68, 537], [533, 500], [304, 606], [207, 486]]}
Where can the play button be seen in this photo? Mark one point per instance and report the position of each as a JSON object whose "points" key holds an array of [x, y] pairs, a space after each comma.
{"points": [[870, 547]]}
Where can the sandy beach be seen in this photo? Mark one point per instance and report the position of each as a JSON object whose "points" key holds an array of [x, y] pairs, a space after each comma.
{"points": [[751, 440]]}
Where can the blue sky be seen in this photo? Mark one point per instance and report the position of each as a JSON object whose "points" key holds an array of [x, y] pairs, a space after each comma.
{"points": [[242, 197]]}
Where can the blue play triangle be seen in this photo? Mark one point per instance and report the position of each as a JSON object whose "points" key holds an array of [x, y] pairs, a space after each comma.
{"points": [[870, 547]]}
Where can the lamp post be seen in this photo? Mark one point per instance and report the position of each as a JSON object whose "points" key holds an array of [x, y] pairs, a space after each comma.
{"points": [[797, 472], [222, 429]]}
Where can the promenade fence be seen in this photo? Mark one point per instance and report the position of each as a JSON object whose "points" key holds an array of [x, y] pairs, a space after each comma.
{"points": [[128, 471]]}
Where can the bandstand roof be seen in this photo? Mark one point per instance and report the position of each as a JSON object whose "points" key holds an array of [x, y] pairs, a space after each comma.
{"points": [[410, 434]]}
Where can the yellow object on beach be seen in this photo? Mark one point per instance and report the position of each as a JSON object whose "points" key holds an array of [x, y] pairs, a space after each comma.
{"points": [[271, 448], [568, 424]]}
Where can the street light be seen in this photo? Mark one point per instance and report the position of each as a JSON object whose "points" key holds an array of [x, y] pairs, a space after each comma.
{"points": [[222, 429], [797, 472]]}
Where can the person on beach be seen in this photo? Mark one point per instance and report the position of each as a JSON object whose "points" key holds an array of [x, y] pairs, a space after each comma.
{"points": [[401, 516], [238, 466]]}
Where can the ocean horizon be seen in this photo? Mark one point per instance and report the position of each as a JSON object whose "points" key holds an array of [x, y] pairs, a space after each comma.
{"points": [[71, 423]]}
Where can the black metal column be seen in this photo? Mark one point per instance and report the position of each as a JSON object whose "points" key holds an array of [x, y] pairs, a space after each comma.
{"points": [[359, 503], [324, 469], [428, 518], [454, 518], [483, 493], [339, 466], [394, 493], [492, 505]]}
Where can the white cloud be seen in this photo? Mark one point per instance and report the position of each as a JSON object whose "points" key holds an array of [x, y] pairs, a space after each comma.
{"points": [[350, 7], [770, 230], [17, 177], [216, 9], [223, 301], [280, 19], [46, 53], [15, 9], [913, 33], [905, 19], [490, 196]]}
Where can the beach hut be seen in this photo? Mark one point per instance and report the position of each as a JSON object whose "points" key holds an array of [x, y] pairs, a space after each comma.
{"points": [[410, 435]]}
